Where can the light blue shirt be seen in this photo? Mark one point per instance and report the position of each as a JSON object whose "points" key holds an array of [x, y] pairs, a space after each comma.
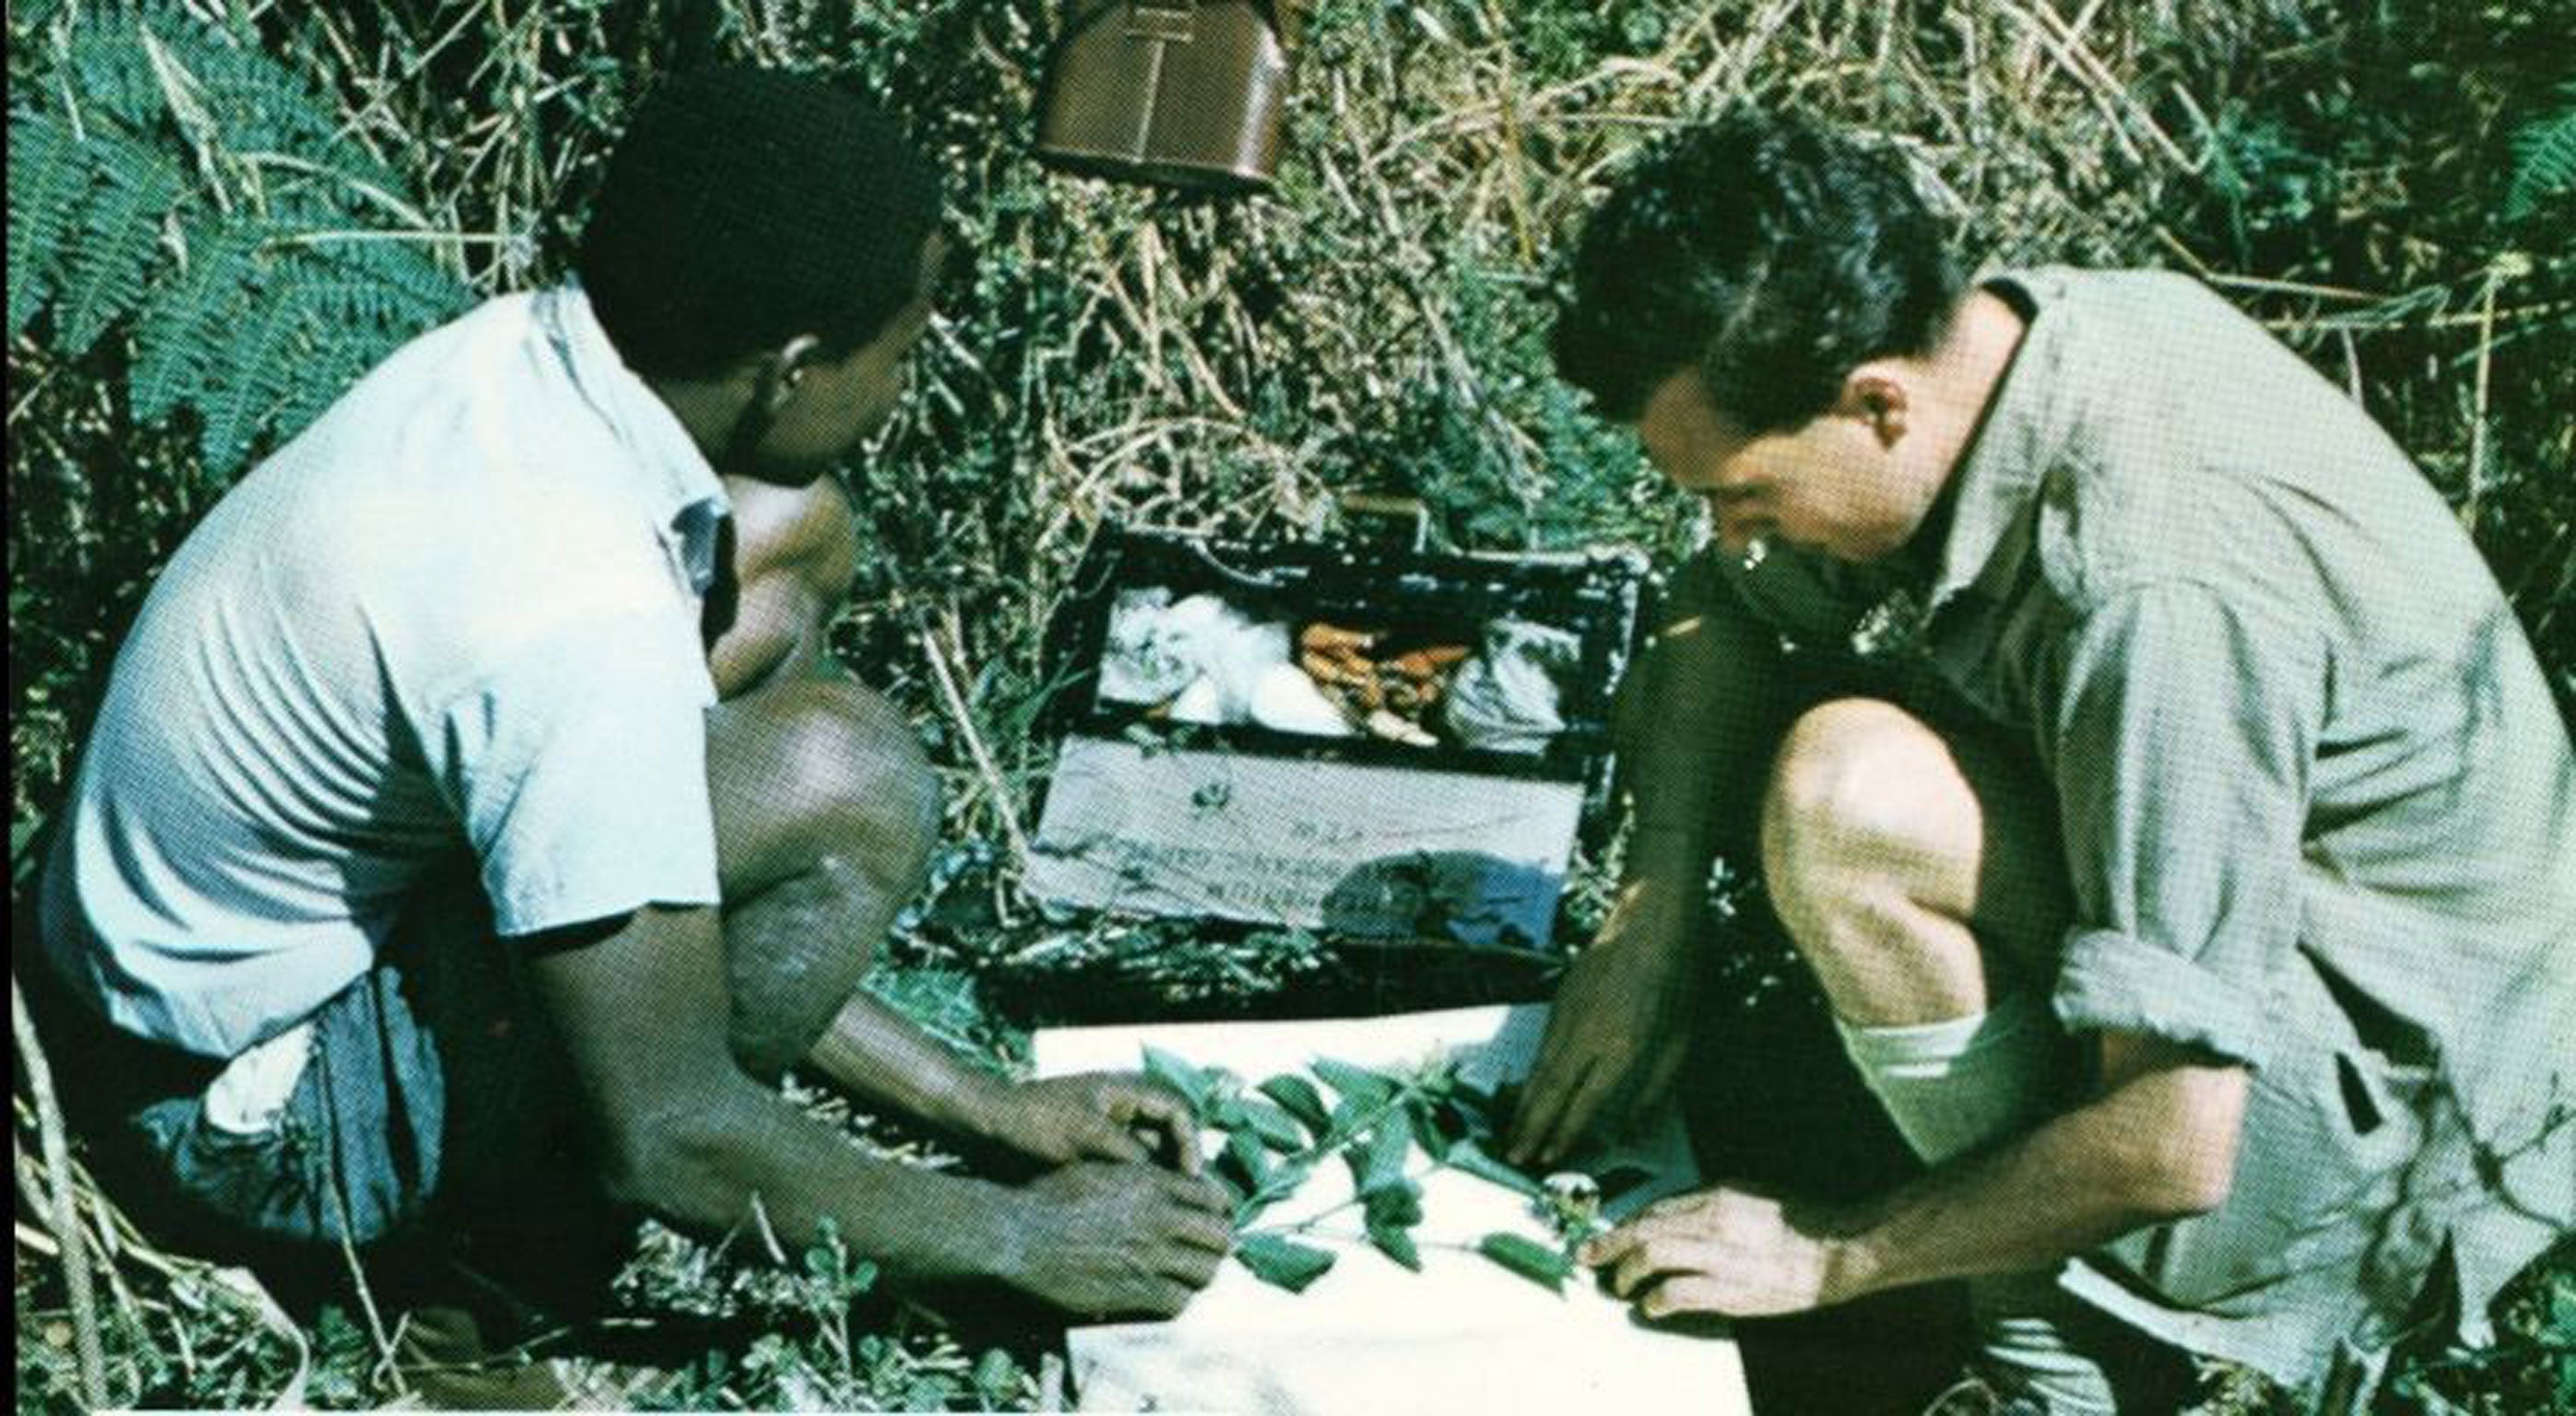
{"points": [[461, 611]]}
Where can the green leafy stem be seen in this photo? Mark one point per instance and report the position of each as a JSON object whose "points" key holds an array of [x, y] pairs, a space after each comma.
{"points": [[1279, 1132]]}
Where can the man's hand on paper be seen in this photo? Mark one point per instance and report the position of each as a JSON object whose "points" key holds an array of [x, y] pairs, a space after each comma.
{"points": [[1104, 1116], [1620, 1029], [1100, 1240], [1725, 1252]]}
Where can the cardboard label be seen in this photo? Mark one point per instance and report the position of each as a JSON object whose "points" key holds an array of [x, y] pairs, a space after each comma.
{"points": [[1361, 850]]}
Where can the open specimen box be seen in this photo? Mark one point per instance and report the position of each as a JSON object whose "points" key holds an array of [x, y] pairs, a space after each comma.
{"points": [[1376, 744]]}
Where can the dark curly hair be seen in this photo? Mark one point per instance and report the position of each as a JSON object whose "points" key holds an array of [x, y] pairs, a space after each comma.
{"points": [[746, 206], [1769, 254]]}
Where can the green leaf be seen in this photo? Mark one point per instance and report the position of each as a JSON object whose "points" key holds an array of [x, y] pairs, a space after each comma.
{"points": [[1179, 1075], [1437, 1126], [1380, 1162], [2544, 160], [1394, 1207], [1472, 1158], [1226, 1113], [184, 332], [257, 380], [1276, 1127], [1528, 1258], [1301, 1100], [1283, 1263], [119, 242], [1396, 1242], [1244, 1162], [49, 177], [1356, 1082]]}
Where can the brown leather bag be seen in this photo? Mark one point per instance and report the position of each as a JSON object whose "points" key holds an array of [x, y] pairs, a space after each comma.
{"points": [[1181, 93]]}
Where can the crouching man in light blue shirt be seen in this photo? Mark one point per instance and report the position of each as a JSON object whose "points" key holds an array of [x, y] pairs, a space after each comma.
{"points": [[473, 806]]}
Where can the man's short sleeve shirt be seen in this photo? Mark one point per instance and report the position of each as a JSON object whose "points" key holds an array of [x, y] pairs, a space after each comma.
{"points": [[459, 613]]}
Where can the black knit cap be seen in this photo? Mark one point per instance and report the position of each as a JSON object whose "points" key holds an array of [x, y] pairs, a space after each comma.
{"points": [[746, 206]]}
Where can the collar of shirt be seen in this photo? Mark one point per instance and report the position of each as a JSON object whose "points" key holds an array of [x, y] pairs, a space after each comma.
{"points": [[686, 497], [2025, 429]]}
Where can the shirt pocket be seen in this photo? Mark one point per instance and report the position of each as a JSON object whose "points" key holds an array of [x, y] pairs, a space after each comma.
{"points": [[2328, 1129]]}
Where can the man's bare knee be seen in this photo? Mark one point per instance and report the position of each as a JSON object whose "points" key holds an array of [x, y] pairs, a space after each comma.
{"points": [[1862, 784], [874, 780], [822, 769], [1867, 823]]}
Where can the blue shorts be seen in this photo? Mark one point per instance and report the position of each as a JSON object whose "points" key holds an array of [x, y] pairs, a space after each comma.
{"points": [[426, 1086]]}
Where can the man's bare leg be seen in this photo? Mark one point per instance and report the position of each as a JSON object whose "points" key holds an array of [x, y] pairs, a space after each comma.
{"points": [[826, 811], [1910, 888]]}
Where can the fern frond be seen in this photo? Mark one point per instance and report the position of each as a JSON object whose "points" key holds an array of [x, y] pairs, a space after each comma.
{"points": [[266, 108], [114, 255], [430, 295], [383, 286], [256, 377], [108, 76], [190, 321], [48, 178], [145, 112], [2544, 160]]}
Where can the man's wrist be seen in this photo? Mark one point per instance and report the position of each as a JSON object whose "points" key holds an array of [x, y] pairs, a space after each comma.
{"points": [[991, 1237], [1855, 1265], [982, 1105]]}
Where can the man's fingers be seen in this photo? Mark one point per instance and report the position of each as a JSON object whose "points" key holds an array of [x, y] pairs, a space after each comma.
{"points": [[1683, 1293], [1575, 1117], [1652, 1082], [1169, 1117], [1104, 1139], [1191, 1265], [1602, 1250], [1657, 1257], [1673, 1207], [1542, 1103], [1204, 1233], [1192, 1192]]}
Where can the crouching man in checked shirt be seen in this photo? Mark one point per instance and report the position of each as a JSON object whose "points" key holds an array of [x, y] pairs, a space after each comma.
{"points": [[2190, 872], [476, 825]]}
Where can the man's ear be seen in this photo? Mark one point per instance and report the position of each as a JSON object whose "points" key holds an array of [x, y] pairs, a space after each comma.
{"points": [[1875, 394], [781, 369]]}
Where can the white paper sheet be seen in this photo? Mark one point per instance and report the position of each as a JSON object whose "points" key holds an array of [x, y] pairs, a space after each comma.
{"points": [[1464, 1335]]}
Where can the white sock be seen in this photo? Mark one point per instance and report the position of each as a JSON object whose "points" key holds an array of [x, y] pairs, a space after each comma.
{"points": [[1952, 1087]]}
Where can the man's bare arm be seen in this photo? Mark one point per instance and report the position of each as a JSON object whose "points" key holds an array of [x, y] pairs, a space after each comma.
{"points": [[877, 1054], [1702, 719], [687, 1135], [2158, 1144]]}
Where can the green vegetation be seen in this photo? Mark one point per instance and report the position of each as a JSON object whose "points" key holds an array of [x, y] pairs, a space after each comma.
{"points": [[221, 213], [1385, 1126]]}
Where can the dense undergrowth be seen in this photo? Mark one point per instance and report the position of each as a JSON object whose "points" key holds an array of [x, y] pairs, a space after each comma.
{"points": [[219, 211]]}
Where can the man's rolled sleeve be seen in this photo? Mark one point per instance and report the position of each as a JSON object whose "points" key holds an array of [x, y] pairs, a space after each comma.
{"points": [[2179, 732], [2115, 982], [580, 769]]}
